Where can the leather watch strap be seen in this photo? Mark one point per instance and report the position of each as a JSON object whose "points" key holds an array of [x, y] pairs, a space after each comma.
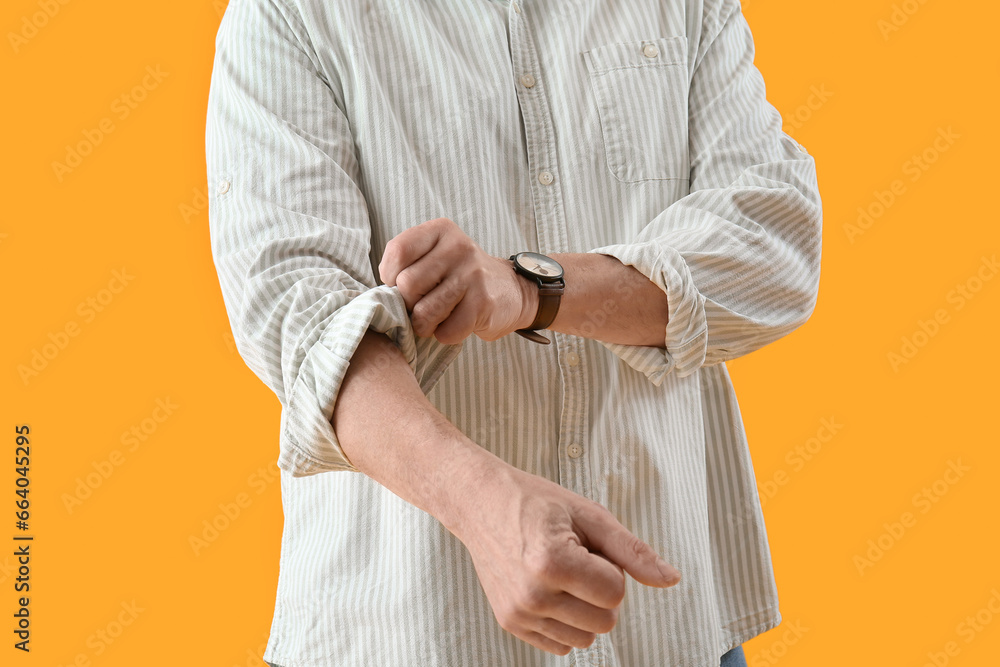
{"points": [[549, 295], [550, 291]]}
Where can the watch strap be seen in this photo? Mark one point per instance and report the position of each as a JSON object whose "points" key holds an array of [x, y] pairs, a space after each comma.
{"points": [[533, 335], [549, 295]]}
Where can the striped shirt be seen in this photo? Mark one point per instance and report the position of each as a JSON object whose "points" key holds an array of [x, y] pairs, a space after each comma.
{"points": [[633, 128]]}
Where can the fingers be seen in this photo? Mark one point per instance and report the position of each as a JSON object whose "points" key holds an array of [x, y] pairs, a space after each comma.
{"points": [[539, 640], [570, 623], [450, 286], [457, 325], [409, 246], [422, 277], [439, 305], [590, 578], [564, 634], [581, 615], [603, 533]]}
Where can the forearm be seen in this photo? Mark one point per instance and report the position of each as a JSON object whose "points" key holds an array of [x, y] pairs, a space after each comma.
{"points": [[550, 561], [390, 432], [610, 301]]}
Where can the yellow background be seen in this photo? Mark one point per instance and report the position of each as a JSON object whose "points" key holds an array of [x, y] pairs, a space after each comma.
{"points": [[863, 99]]}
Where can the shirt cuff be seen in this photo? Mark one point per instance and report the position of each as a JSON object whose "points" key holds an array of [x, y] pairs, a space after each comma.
{"points": [[686, 335], [308, 444]]}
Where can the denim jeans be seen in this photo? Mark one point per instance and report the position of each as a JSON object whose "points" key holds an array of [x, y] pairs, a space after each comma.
{"points": [[733, 658]]}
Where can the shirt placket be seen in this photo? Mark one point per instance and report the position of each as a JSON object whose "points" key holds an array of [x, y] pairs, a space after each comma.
{"points": [[545, 179]]}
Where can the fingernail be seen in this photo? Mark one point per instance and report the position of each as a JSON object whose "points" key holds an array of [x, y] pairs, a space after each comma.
{"points": [[668, 571]]}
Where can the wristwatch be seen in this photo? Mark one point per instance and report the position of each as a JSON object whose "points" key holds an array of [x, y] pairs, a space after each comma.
{"points": [[548, 273]]}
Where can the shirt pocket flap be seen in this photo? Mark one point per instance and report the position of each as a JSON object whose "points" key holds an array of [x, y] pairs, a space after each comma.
{"points": [[662, 51], [641, 92]]}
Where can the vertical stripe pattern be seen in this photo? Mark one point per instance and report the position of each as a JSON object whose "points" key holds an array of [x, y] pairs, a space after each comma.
{"points": [[634, 128]]}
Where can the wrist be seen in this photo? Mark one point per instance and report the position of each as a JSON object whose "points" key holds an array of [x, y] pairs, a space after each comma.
{"points": [[472, 476]]}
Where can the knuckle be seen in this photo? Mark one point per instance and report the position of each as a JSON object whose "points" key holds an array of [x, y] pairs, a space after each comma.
{"points": [[465, 243], [543, 566], [481, 274], [397, 247], [607, 621], [451, 289], [533, 599], [447, 337], [442, 227], [637, 547], [421, 326], [617, 595], [404, 281], [507, 618], [421, 311]]}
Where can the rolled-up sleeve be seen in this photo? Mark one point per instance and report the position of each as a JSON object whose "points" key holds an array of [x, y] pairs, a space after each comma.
{"points": [[290, 231], [738, 257]]}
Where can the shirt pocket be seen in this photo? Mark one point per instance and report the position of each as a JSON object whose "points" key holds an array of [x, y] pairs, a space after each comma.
{"points": [[641, 92]]}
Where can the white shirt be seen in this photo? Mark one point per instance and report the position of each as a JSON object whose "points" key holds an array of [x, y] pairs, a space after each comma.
{"points": [[633, 128]]}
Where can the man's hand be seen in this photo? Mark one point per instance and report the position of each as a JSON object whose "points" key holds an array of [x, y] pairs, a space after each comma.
{"points": [[550, 561], [452, 288]]}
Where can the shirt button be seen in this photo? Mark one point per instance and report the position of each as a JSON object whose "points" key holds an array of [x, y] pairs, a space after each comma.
{"points": [[223, 187], [575, 451], [545, 178], [650, 51], [528, 81], [517, 7], [573, 359]]}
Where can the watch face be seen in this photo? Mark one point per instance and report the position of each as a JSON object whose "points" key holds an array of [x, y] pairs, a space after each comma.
{"points": [[544, 267]]}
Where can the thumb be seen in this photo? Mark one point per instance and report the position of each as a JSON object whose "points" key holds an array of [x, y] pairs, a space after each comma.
{"points": [[603, 533]]}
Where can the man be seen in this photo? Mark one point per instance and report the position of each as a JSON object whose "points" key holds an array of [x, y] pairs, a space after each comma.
{"points": [[391, 177]]}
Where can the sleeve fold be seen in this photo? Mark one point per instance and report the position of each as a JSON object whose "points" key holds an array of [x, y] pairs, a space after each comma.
{"points": [[290, 230], [738, 257]]}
